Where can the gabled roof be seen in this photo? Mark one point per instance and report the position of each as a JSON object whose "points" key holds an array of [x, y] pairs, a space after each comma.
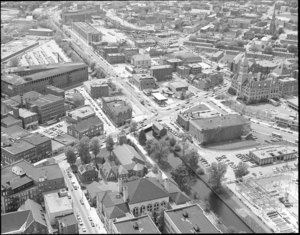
{"points": [[16, 222], [282, 69], [126, 154], [144, 189], [87, 167], [115, 212], [179, 198], [122, 170], [68, 220], [36, 210], [109, 167]]}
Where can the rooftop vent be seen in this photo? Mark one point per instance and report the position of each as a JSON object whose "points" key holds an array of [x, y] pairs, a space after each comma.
{"points": [[185, 214], [135, 226]]}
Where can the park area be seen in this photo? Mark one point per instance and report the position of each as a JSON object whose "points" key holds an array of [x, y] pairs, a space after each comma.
{"points": [[273, 198]]}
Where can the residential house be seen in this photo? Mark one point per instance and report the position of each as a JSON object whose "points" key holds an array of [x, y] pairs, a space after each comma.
{"points": [[88, 172]]}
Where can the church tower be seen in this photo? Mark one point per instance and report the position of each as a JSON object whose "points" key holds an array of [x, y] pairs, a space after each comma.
{"points": [[273, 23]]}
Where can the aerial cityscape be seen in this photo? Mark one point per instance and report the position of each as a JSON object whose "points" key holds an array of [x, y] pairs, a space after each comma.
{"points": [[149, 117]]}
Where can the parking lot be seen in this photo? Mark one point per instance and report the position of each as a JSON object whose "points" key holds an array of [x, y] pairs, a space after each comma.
{"points": [[55, 130]]}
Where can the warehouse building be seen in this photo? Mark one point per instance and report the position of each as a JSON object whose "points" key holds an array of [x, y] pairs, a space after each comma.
{"points": [[15, 81], [86, 32]]}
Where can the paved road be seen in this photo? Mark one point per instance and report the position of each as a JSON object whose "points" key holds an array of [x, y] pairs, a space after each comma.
{"points": [[83, 210]]}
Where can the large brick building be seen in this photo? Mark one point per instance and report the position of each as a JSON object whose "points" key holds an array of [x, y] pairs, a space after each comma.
{"points": [[161, 72], [253, 87], [16, 81], [210, 127], [21, 180], [144, 81], [86, 32], [119, 111]]}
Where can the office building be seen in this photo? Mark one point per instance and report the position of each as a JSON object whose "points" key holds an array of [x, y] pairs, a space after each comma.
{"points": [[188, 219], [115, 58], [286, 120], [161, 72], [29, 119], [144, 81], [293, 103], [9, 121], [129, 52], [89, 127], [16, 81], [288, 87], [86, 31], [68, 225], [78, 15], [119, 111], [21, 180], [80, 114], [272, 154], [57, 207], [174, 62], [55, 91], [97, 88], [42, 32], [141, 61], [177, 86]]}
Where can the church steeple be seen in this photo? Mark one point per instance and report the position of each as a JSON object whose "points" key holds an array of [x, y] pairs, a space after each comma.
{"points": [[273, 23]]}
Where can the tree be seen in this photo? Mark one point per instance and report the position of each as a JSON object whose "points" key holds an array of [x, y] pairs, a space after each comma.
{"points": [[268, 50], [133, 126], [192, 158], [292, 48], [160, 221], [180, 176], [95, 146], [216, 173], [253, 48], [110, 144], [150, 146], [83, 150], [172, 142], [274, 37], [142, 137], [78, 99], [71, 156], [14, 62], [161, 151], [207, 206], [241, 170]]}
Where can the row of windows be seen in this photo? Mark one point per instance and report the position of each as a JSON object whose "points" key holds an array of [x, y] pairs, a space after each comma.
{"points": [[136, 210]]}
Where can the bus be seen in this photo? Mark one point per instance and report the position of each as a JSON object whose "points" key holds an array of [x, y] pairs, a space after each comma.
{"points": [[276, 135]]}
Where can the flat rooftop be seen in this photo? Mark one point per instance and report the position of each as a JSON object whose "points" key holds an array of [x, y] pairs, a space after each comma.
{"points": [[117, 105], [161, 67], [19, 147], [274, 151], [294, 101], [46, 99], [194, 218], [87, 28], [36, 139], [159, 96], [57, 204], [178, 84], [15, 46], [142, 224], [219, 121], [82, 112], [24, 113], [142, 76]]}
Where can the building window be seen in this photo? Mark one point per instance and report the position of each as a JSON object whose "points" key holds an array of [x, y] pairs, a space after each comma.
{"points": [[156, 206], [163, 204], [149, 207], [143, 208], [136, 211]]}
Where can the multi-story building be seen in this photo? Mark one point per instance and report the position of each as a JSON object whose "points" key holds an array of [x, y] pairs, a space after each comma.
{"points": [[208, 126], [86, 31], [253, 87], [108, 50], [48, 107], [55, 91], [89, 127], [19, 80], [286, 120], [29, 119], [119, 111], [80, 114], [293, 103], [183, 71], [141, 61], [188, 219], [194, 68], [144, 81], [57, 207], [80, 15], [188, 58], [68, 225], [97, 88], [21, 180], [271, 154], [207, 80], [42, 145], [174, 62], [9, 121], [41, 32], [115, 58], [88, 173], [16, 150], [178, 86], [161, 72], [135, 225], [129, 52], [288, 87]]}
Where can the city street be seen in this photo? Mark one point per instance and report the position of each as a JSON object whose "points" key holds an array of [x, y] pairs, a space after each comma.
{"points": [[83, 210]]}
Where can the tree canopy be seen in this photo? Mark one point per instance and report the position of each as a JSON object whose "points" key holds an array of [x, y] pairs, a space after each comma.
{"points": [[110, 144], [133, 126], [241, 170], [78, 99], [70, 154], [95, 145], [180, 176], [83, 150], [292, 48], [216, 173], [142, 137]]}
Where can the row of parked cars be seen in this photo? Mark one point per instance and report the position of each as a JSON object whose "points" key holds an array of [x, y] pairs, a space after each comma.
{"points": [[204, 162], [224, 159], [245, 158]]}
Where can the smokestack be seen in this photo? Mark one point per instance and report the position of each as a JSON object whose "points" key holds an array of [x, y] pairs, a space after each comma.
{"points": [[22, 101], [125, 193], [120, 185], [15, 112]]}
